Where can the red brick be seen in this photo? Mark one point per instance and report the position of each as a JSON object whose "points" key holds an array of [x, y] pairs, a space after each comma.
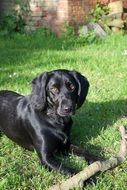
{"points": [[125, 3]]}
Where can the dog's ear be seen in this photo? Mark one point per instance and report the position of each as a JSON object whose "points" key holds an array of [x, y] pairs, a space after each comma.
{"points": [[38, 97], [83, 86]]}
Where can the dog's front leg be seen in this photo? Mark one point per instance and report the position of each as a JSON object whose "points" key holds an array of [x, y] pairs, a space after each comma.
{"points": [[46, 154]]}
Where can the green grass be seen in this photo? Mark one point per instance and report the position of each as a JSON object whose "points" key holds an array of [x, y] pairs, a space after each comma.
{"points": [[105, 66]]}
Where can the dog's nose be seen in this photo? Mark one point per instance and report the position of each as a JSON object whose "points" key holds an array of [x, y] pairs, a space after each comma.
{"points": [[67, 109]]}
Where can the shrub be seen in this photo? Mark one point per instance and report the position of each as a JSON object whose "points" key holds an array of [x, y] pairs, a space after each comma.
{"points": [[14, 20], [99, 11]]}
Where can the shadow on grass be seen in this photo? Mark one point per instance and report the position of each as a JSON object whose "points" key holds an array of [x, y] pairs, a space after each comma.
{"points": [[24, 69], [95, 117], [40, 41]]}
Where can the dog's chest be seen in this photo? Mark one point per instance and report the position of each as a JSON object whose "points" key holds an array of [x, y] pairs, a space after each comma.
{"points": [[62, 123], [60, 127]]}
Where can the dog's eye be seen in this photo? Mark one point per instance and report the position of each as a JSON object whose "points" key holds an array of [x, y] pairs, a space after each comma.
{"points": [[55, 90], [70, 86]]}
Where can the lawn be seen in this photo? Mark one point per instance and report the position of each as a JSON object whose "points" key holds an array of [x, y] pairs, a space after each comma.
{"points": [[104, 63]]}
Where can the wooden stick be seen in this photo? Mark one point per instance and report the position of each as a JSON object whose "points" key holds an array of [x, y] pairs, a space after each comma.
{"points": [[92, 169]]}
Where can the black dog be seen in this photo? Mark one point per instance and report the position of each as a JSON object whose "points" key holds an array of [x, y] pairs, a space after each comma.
{"points": [[42, 121]]}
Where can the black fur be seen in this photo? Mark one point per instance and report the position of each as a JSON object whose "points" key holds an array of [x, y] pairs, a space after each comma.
{"points": [[42, 120]]}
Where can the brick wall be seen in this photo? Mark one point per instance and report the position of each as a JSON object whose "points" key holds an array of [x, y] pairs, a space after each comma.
{"points": [[79, 9], [54, 13], [47, 13]]}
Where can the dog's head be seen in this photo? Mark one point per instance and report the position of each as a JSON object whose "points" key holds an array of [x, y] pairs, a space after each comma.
{"points": [[63, 90]]}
